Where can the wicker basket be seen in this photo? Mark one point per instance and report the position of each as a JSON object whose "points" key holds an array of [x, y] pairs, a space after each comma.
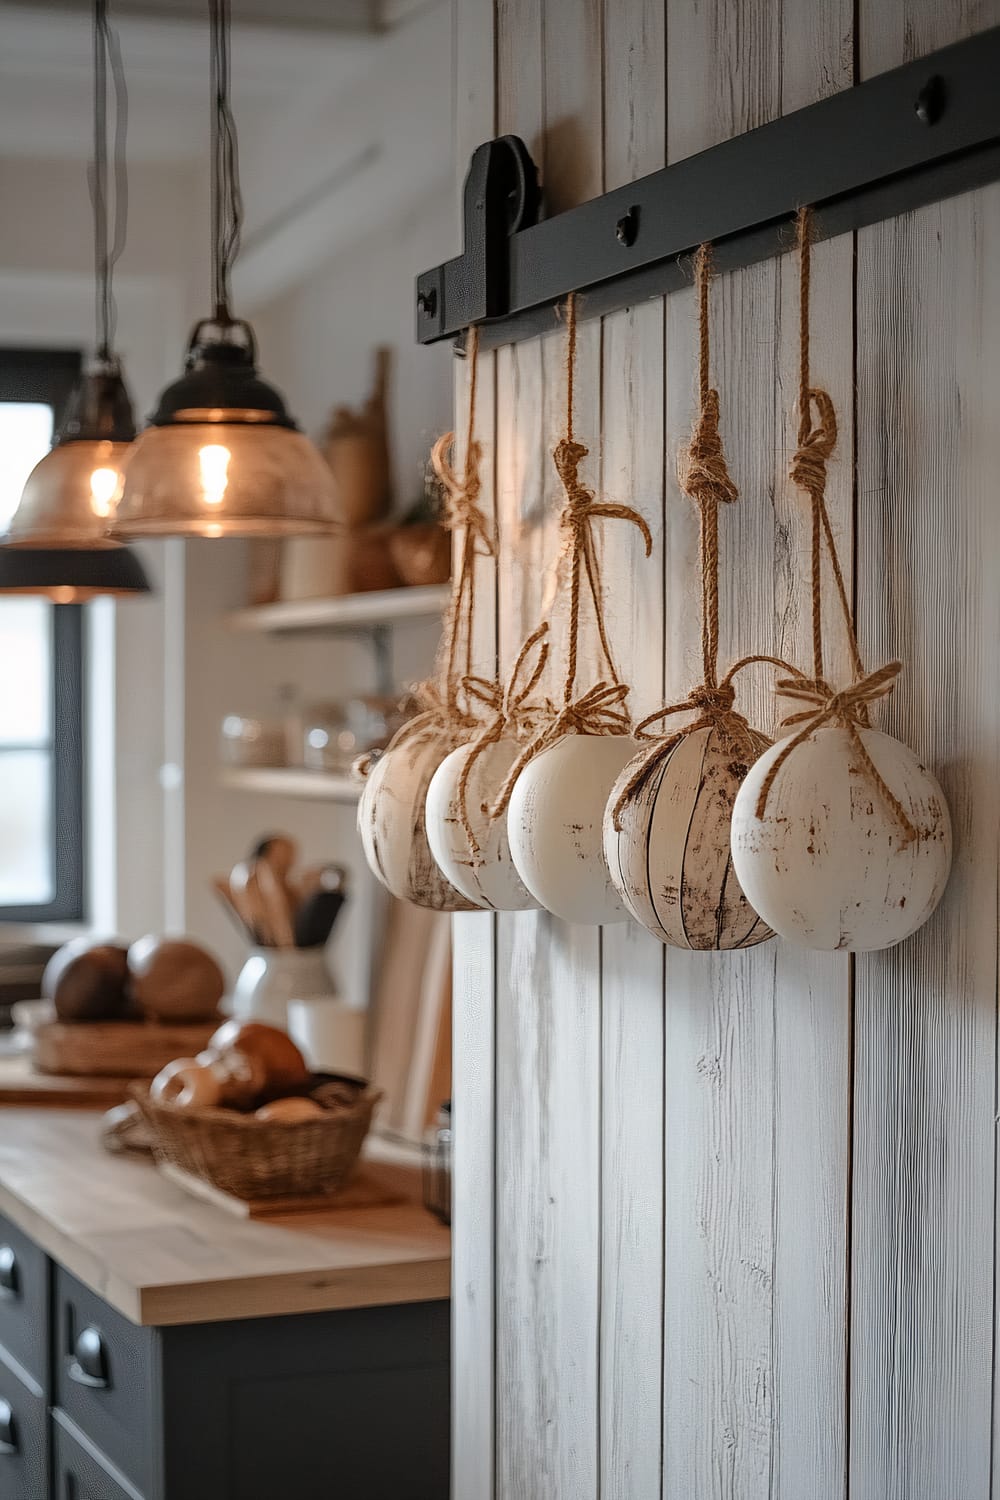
{"points": [[253, 1159]]}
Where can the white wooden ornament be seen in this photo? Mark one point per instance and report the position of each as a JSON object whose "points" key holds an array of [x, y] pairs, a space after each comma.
{"points": [[489, 880], [391, 824], [670, 858], [828, 865], [554, 824]]}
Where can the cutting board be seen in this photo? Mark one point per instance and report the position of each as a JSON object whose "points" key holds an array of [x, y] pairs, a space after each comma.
{"points": [[367, 1189], [20, 1084]]}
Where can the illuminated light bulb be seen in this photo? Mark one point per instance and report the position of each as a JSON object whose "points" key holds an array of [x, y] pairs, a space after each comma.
{"points": [[213, 462], [104, 485]]}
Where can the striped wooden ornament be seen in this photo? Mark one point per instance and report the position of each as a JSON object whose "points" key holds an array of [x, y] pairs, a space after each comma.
{"points": [[391, 822], [668, 848]]}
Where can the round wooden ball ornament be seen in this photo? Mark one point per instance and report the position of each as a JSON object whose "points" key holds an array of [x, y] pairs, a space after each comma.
{"points": [[556, 791], [485, 874], [841, 838], [828, 864], [391, 822], [471, 846], [554, 824], [392, 811], [667, 821]]}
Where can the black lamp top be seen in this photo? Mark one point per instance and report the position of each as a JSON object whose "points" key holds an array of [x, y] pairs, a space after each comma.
{"points": [[220, 374], [100, 409]]}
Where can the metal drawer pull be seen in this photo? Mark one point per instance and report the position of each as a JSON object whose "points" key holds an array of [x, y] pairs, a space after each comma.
{"points": [[8, 1431], [10, 1280], [88, 1364]]}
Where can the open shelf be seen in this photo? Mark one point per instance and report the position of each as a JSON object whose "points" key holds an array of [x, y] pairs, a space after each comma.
{"points": [[290, 781], [349, 612]]}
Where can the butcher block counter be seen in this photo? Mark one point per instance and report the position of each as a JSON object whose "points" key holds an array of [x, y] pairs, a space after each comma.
{"points": [[156, 1347]]}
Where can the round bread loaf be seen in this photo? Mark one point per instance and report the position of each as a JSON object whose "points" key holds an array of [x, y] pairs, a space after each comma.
{"points": [[87, 981], [173, 979]]}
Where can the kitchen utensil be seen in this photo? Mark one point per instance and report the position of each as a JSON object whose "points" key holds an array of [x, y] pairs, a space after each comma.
{"points": [[220, 886], [280, 852], [315, 917], [276, 903], [246, 899]]}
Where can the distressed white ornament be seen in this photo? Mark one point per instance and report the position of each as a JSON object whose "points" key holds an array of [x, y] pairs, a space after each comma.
{"points": [[666, 841], [391, 822], [554, 824], [488, 878], [828, 865]]}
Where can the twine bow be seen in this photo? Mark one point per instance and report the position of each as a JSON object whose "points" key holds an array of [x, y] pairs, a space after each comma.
{"points": [[441, 712], [848, 708], [600, 709], [714, 709], [511, 710], [704, 476]]}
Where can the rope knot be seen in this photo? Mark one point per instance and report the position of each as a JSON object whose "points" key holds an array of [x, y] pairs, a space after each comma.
{"points": [[702, 471], [567, 457], [817, 440], [713, 700], [461, 493], [848, 708]]}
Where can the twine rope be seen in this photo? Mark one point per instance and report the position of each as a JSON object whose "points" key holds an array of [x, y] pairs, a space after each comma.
{"points": [[600, 710], [444, 706], [850, 707], [704, 477]]}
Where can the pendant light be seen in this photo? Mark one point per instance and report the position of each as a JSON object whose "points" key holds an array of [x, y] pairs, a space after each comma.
{"points": [[69, 497], [222, 456]]}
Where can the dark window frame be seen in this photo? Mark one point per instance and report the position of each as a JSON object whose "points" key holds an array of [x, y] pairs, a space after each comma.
{"points": [[49, 375]]}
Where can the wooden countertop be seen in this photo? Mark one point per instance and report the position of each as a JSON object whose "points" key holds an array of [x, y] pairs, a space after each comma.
{"points": [[161, 1257]]}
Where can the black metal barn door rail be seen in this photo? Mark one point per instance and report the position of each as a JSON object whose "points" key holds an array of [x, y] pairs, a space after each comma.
{"points": [[923, 132]]}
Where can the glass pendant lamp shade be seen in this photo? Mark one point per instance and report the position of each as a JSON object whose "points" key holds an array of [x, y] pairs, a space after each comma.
{"points": [[221, 456], [71, 575], [69, 497]]}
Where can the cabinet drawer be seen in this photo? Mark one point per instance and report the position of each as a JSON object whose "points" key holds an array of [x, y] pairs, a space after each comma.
{"points": [[105, 1376], [80, 1472], [23, 1282], [23, 1461]]}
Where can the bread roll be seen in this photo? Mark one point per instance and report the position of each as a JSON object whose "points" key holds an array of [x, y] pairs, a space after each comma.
{"points": [[86, 981], [185, 1083], [173, 979], [252, 1059], [289, 1111]]}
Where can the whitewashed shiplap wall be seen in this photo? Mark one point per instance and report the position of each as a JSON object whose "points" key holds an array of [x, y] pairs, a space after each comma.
{"points": [[725, 1224]]}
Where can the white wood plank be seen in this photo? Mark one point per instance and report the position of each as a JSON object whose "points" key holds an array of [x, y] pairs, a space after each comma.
{"points": [[474, 933], [632, 1331], [548, 992], [756, 1042], [925, 1158], [897, 33]]}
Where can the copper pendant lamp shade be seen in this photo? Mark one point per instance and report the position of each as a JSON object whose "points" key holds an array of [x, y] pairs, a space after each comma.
{"points": [[58, 543], [69, 497], [221, 456]]}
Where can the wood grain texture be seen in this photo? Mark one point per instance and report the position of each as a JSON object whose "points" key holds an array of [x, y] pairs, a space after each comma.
{"points": [[632, 435], [474, 933], [755, 1207], [792, 1206], [925, 1161], [548, 990]]}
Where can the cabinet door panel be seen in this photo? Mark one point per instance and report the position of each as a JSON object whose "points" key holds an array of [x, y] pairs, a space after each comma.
{"points": [[23, 1279], [22, 1439]]}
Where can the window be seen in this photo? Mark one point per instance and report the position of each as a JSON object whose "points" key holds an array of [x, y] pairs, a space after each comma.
{"points": [[41, 753]]}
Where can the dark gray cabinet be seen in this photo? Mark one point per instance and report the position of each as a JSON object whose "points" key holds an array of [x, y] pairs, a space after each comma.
{"points": [[94, 1407]]}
